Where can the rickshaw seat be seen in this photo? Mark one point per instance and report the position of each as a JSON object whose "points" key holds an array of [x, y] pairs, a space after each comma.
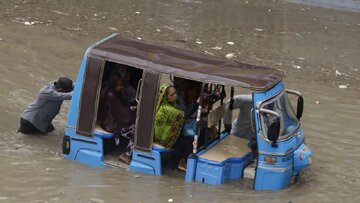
{"points": [[100, 132], [224, 161], [230, 147]]}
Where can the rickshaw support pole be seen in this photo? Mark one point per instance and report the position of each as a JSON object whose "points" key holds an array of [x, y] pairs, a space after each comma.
{"points": [[191, 168]]}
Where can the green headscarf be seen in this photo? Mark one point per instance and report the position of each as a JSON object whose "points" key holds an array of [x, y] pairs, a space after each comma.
{"points": [[162, 96], [168, 120]]}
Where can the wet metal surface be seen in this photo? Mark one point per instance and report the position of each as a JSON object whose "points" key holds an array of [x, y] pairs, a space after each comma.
{"points": [[318, 48]]}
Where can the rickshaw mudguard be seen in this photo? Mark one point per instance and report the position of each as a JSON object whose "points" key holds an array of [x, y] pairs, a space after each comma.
{"points": [[278, 176], [302, 158], [271, 178], [88, 151], [148, 163]]}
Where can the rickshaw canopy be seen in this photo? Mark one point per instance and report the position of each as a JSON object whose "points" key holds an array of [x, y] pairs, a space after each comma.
{"points": [[186, 64], [154, 60]]}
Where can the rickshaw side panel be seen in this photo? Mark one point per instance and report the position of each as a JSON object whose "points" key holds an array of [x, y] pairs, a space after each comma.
{"points": [[75, 100], [214, 172], [74, 109], [88, 104], [146, 159], [87, 150]]}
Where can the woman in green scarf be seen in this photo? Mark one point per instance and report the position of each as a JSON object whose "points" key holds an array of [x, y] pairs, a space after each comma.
{"points": [[168, 119]]}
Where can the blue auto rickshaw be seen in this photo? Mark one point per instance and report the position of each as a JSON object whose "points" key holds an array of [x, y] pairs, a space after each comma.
{"points": [[281, 153]]}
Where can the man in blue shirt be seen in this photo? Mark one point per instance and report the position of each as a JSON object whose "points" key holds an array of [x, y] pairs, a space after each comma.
{"points": [[38, 115]]}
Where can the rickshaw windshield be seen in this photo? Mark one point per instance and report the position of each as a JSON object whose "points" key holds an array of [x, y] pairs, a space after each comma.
{"points": [[288, 121]]}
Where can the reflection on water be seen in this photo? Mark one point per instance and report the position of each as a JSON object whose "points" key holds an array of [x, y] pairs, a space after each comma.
{"points": [[310, 44]]}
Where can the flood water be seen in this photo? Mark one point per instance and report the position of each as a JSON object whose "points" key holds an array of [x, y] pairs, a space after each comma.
{"points": [[318, 48], [346, 5]]}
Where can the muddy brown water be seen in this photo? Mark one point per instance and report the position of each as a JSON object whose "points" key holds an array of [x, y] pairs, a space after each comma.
{"points": [[318, 48]]}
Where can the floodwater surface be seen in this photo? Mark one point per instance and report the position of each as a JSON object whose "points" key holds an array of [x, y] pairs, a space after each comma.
{"points": [[318, 48]]}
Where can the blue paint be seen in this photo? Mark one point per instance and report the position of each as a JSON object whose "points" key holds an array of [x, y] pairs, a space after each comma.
{"points": [[191, 168], [302, 159], [105, 135], [148, 163], [272, 180], [215, 173], [75, 100], [276, 176], [87, 150]]}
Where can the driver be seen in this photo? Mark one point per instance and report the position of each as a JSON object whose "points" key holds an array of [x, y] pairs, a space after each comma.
{"points": [[241, 126]]}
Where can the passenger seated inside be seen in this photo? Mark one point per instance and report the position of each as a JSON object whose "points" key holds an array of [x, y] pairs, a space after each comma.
{"points": [[129, 91], [168, 118], [117, 117], [188, 93], [241, 126], [213, 93], [112, 73]]}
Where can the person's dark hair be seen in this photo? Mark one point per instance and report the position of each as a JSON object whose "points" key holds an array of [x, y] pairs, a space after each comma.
{"points": [[191, 84], [65, 84], [115, 77], [167, 90], [179, 83]]}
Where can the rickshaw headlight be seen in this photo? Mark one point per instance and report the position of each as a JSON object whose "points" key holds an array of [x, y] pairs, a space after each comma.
{"points": [[270, 159]]}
